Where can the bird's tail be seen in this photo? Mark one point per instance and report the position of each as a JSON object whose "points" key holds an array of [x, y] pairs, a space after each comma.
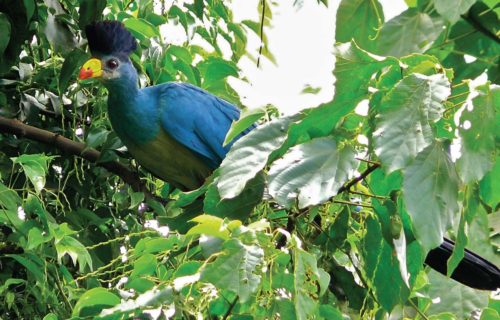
{"points": [[473, 271]]}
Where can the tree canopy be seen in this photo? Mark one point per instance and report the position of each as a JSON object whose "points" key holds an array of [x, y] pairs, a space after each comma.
{"points": [[324, 214]]}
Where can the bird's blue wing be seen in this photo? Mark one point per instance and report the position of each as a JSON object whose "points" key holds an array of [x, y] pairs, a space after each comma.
{"points": [[196, 119]]}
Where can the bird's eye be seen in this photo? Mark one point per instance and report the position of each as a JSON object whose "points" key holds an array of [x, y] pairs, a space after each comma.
{"points": [[112, 64]]}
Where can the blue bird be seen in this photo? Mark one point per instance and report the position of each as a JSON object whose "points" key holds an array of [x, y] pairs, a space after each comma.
{"points": [[174, 130]]}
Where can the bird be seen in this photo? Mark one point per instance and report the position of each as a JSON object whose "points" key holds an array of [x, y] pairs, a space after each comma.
{"points": [[176, 131]]}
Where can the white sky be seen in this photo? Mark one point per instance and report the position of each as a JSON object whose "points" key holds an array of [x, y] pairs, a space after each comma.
{"points": [[301, 40]]}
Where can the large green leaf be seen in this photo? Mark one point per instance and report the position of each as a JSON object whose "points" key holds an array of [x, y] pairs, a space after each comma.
{"points": [[312, 172], [452, 10], [478, 142], [430, 185], [235, 269], [403, 124], [353, 70], [359, 20], [410, 32], [454, 297], [249, 155], [238, 207]]}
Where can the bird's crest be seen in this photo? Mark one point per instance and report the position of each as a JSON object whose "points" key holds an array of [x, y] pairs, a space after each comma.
{"points": [[109, 37]]}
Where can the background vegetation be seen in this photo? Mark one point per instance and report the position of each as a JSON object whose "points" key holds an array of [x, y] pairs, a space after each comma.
{"points": [[355, 202]]}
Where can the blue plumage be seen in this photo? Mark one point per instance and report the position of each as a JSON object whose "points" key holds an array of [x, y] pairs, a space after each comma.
{"points": [[174, 130]]}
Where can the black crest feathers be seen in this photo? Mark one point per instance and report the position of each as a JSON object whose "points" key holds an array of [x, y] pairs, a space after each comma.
{"points": [[109, 37]]}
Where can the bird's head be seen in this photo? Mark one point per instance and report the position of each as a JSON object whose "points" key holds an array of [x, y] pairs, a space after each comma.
{"points": [[110, 44]]}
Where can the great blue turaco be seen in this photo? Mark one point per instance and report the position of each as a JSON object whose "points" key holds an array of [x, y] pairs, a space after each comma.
{"points": [[176, 131]]}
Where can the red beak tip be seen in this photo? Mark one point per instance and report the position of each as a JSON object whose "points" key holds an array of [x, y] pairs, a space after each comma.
{"points": [[85, 74]]}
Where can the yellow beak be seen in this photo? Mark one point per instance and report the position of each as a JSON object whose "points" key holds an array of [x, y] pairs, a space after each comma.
{"points": [[91, 69]]}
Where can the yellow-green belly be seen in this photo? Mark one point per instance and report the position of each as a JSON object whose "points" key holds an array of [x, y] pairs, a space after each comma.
{"points": [[170, 161]]}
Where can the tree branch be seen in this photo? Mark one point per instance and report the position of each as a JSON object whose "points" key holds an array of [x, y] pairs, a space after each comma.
{"points": [[362, 176], [16, 127]]}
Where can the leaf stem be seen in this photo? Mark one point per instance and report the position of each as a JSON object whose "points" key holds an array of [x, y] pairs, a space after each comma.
{"points": [[418, 310], [368, 195], [231, 306]]}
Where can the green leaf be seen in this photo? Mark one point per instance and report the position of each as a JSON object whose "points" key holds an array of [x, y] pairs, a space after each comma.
{"points": [[307, 279], [150, 299], [199, 5], [468, 211], [140, 285], [136, 198], [73, 61], [144, 266], [410, 32], [477, 125], [5, 35], [311, 90], [451, 10], [359, 20], [247, 118], [490, 185], [30, 10], [35, 168], [382, 264], [97, 136], [489, 314], [77, 251], [238, 207], [212, 226], [215, 69], [36, 238], [9, 282], [249, 155], [142, 27], [90, 10], [9, 199], [176, 12], [235, 269], [403, 124], [431, 194], [353, 70], [93, 301], [454, 297], [312, 172], [180, 53], [32, 263]]}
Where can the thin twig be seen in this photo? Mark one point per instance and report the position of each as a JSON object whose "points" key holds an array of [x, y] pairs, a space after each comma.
{"points": [[362, 176], [261, 31]]}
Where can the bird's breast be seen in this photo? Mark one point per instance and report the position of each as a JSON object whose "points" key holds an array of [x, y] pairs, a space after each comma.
{"points": [[170, 161]]}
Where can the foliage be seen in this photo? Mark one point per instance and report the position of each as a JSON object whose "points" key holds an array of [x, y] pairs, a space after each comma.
{"points": [[356, 200]]}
